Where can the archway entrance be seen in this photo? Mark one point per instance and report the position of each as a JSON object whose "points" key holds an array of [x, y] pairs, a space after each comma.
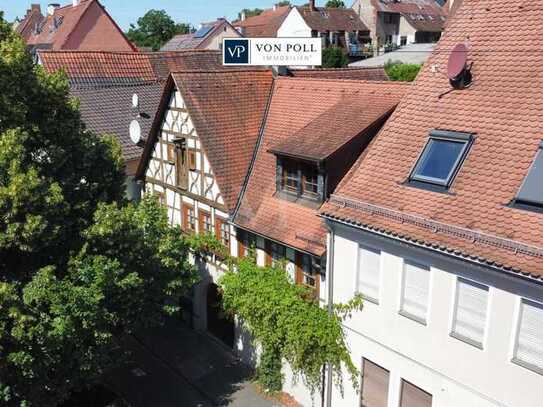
{"points": [[219, 324]]}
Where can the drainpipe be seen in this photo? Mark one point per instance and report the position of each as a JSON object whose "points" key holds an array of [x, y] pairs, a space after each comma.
{"points": [[330, 273]]}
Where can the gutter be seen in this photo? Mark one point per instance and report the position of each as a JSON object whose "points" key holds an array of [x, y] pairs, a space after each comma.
{"points": [[330, 285]]}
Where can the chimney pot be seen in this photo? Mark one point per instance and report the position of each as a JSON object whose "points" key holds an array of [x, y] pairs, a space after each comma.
{"points": [[51, 8]]}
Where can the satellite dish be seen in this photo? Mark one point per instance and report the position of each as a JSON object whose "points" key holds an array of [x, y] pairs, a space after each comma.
{"points": [[135, 131], [135, 101], [457, 69]]}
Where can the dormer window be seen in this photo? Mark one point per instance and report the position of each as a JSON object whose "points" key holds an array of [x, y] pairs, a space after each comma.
{"points": [[441, 159], [530, 194], [299, 179]]}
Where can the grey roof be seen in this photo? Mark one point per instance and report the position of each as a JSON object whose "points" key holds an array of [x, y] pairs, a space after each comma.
{"points": [[108, 110], [408, 54]]}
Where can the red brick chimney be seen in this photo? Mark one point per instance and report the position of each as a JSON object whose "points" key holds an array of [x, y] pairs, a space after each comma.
{"points": [[312, 5]]}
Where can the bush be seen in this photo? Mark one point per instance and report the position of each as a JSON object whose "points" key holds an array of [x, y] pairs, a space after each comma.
{"points": [[334, 57], [398, 71]]}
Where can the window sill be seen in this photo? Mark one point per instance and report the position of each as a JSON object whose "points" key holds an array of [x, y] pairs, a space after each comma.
{"points": [[466, 340], [533, 368], [369, 299], [413, 317]]}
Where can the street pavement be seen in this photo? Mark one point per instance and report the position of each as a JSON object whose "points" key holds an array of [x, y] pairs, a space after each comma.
{"points": [[177, 367]]}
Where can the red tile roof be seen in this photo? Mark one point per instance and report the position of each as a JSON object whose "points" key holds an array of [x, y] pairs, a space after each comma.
{"points": [[423, 15], [332, 19], [227, 109], [265, 24], [95, 67], [364, 73], [56, 29], [306, 107], [503, 107], [190, 41], [29, 23]]}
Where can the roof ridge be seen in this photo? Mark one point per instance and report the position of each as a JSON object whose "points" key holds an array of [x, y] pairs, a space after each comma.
{"points": [[341, 80], [221, 71]]}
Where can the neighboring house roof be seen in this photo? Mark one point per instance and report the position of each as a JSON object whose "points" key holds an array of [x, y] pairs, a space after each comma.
{"points": [[318, 115], [423, 15], [104, 82], [503, 107], [374, 73], [332, 19], [227, 109], [55, 30], [198, 39], [32, 19], [108, 110], [407, 54], [265, 24], [97, 68]]}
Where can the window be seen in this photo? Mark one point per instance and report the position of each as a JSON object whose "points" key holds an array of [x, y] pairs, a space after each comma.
{"points": [[469, 318], [415, 291], [369, 273], [192, 160], [307, 273], [531, 191], [529, 346], [412, 396], [441, 158], [171, 152], [291, 180], [246, 242], [189, 218], [300, 179], [275, 253], [205, 222], [403, 40], [375, 381], [222, 231]]}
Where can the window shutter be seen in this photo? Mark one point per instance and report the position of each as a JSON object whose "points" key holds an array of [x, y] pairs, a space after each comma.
{"points": [[415, 290], [369, 272], [530, 336], [182, 166], [470, 313], [375, 382]]}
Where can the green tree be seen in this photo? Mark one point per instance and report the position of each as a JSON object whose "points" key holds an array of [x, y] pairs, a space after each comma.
{"points": [[79, 268], [155, 29], [398, 71], [334, 57], [250, 12], [335, 4], [288, 324]]}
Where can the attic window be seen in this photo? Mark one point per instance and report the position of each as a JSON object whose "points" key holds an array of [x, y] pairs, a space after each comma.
{"points": [[441, 158], [299, 179], [531, 191]]}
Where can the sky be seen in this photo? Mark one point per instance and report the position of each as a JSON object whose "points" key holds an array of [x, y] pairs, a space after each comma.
{"points": [[128, 11]]}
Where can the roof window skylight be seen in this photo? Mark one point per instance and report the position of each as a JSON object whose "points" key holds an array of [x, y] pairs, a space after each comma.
{"points": [[531, 191], [441, 158]]}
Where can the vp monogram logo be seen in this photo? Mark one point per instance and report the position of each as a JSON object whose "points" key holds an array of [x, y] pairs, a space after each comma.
{"points": [[236, 51]]}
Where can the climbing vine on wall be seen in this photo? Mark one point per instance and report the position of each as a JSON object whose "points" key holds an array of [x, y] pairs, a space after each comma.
{"points": [[288, 324]]}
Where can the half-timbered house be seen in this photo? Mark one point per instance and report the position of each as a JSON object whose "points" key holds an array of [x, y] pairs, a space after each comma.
{"points": [[196, 160]]}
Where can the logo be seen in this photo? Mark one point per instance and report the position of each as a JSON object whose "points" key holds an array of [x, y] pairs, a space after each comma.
{"points": [[236, 52], [272, 51]]}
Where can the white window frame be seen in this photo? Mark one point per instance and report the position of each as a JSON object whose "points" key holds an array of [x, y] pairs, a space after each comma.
{"points": [[452, 333], [423, 321], [516, 335], [361, 246]]}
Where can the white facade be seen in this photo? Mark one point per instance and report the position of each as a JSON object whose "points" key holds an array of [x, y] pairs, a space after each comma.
{"points": [[294, 26], [455, 372]]}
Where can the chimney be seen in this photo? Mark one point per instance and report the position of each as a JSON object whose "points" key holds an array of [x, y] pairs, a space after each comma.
{"points": [[75, 3], [35, 7], [243, 16], [274, 7], [51, 8], [312, 5]]}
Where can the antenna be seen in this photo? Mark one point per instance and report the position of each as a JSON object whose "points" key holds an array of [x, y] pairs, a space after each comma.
{"points": [[457, 69], [135, 131]]}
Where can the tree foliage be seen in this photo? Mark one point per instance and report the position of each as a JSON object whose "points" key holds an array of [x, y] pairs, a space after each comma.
{"points": [[334, 57], [155, 29], [79, 268], [335, 4], [250, 12], [288, 324], [398, 71]]}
